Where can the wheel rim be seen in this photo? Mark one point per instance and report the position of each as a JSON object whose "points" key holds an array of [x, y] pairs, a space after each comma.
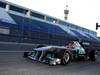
{"points": [[66, 57]]}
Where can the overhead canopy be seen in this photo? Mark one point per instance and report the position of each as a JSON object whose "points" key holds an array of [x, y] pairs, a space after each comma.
{"points": [[93, 38], [80, 35], [5, 17], [70, 34]]}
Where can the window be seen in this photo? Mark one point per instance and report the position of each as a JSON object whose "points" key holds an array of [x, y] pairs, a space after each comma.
{"points": [[17, 9], [62, 23], [3, 5], [73, 26], [4, 31], [37, 15], [51, 19], [79, 28], [83, 29]]}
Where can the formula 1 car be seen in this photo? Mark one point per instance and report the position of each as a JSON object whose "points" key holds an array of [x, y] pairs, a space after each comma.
{"points": [[54, 55]]}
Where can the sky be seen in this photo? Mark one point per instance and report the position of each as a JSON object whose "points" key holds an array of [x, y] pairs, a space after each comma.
{"points": [[84, 13]]}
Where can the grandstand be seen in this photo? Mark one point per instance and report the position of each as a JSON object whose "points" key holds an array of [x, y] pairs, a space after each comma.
{"points": [[22, 25]]}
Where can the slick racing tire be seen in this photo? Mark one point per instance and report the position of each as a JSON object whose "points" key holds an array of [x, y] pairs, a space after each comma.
{"points": [[66, 57], [93, 55]]}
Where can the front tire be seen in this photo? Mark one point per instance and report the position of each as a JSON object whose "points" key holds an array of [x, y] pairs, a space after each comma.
{"points": [[66, 57]]}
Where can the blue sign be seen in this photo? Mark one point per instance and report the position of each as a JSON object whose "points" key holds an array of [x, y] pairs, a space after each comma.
{"points": [[97, 26]]}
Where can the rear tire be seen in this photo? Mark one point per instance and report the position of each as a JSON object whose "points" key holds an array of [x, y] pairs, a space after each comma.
{"points": [[93, 55]]}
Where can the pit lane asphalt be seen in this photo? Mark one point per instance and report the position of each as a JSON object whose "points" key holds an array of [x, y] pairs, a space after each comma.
{"points": [[15, 64]]}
